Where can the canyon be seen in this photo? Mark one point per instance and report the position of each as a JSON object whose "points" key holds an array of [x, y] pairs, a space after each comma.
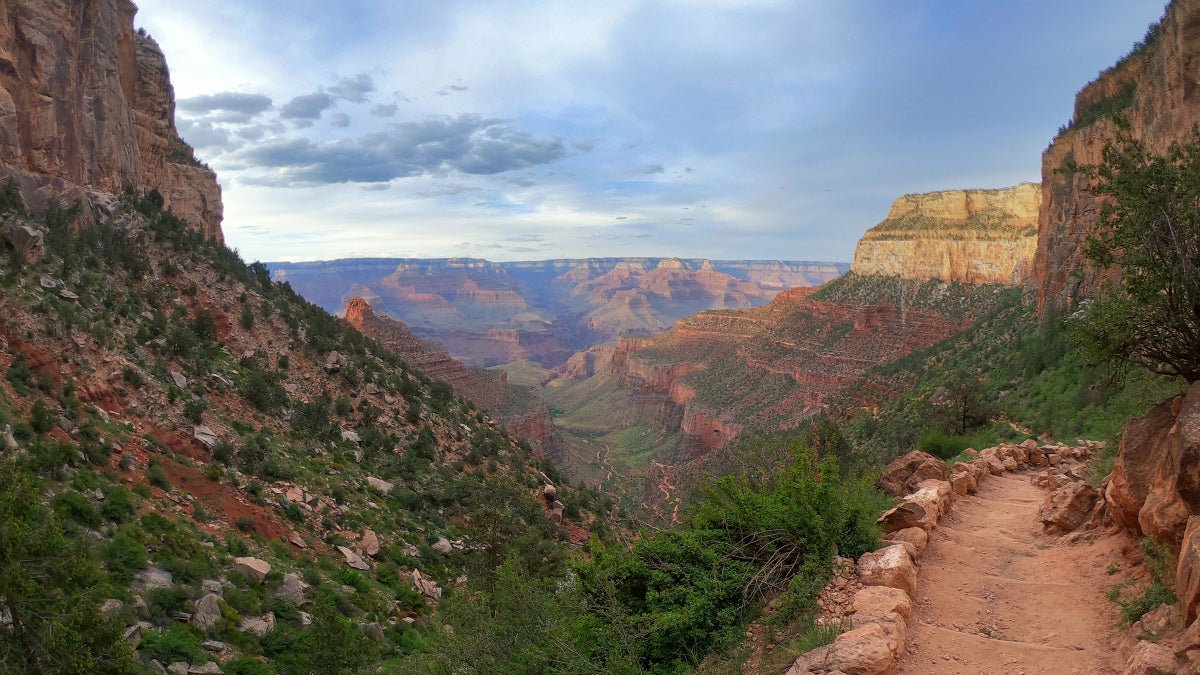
{"points": [[493, 313]]}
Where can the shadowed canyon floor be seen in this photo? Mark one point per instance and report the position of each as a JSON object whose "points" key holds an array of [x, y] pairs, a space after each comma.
{"points": [[997, 595]]}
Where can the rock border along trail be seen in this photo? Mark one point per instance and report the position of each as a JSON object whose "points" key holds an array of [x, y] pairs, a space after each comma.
{"points": [[985, 587], [998, 595]]}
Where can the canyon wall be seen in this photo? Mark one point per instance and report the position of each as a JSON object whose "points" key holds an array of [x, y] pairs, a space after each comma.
{"points": [[972, 236], [87, 109], [1157, 89]]}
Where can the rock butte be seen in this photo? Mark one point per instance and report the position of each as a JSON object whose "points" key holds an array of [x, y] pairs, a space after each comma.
{"points": [[972, 236]]}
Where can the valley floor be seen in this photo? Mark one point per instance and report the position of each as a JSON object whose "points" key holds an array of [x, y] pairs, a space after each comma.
{"points": [[997, 595]]}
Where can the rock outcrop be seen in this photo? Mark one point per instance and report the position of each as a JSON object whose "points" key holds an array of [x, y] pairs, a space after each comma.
{"points": [[972, 236], [1157, 90], [87, 109]]}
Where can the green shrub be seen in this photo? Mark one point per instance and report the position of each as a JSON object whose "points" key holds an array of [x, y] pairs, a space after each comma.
{"points": [[157, 475], [78, 508], [177, 643]]}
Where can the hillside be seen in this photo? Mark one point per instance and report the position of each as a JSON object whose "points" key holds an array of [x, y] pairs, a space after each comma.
{"points": [[487, 314]]}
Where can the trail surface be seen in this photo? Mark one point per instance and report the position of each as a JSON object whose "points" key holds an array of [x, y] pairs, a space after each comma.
{"points": [[997, 596]]}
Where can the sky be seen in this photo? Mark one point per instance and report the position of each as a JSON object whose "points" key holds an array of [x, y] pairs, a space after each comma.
{"points": [[536, 129]]}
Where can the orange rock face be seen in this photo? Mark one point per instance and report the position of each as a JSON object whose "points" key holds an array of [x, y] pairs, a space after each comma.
{"points": [[1164, 93], [87, 108]]}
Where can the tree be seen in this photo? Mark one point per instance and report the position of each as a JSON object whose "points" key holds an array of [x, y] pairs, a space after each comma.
{"points": [[1148, 230], [50, 591]]}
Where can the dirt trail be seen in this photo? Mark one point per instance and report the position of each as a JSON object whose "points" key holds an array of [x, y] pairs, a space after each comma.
{"points": [[997, 596]]}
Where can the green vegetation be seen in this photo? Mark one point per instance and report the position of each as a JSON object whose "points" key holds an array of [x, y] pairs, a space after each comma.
{"points": [[1157, 558]]}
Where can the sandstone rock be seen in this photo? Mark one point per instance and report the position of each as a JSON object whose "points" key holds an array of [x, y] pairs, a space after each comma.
{"points": [[869, 650], [178, 379], [442, 545], [351, 436], [208, 611], [296, 540], [915, 536], [212, 586], [935, 495], [381, 485], [549, 492], [334, 362], [205, 436], [292, 589], [426, 586], [1068, 507], [1157, 623], [904, 473], [214, 646], [150, 579], [179, 668], [373, 630], [259, 625], [1143, 445], [903, 516], [25, 241], [253, 569], [209, 668], [1010, 464], [891, 566], [876, 602], [1187, 572], [1150, 659], [964, 483], [370, 543], [353, 559]]}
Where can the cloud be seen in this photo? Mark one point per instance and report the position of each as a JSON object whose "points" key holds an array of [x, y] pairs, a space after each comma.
{"points": [[465, 143], [452, 89], [649, 169], [307, 107], [340, 120], [228, 106], [354, 89], [202, 134], [385, 110]]}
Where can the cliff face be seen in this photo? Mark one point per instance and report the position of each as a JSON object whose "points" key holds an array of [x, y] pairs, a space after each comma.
{"points": [[521, 413], [1157, 88], [972, 236], [87, 107]]}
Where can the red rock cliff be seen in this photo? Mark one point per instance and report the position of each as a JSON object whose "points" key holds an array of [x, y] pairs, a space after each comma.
{"points": [[1157, 87], [87, 107]]}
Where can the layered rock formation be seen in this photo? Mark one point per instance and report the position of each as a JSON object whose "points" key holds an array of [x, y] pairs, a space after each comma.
{"points": [[87, 109], [1157, 89], [972, 236], [520, 412], [489, 313]]}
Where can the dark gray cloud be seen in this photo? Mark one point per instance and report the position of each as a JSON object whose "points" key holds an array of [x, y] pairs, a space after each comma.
{"points": [[452, 89], [227, 106], [340, 120], [649, 169], [354, 89], [468, 144], [203, 135], [307, 107]]}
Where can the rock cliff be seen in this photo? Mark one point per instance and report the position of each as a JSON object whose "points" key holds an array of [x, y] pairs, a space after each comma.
{"points": [[972, 236], [87, 109], [520, 412], [1157, 88]]}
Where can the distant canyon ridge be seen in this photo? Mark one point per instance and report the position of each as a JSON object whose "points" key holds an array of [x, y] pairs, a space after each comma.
{"points": [[493, 313]]}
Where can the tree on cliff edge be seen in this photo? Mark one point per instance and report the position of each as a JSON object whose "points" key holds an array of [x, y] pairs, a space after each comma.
{"points": [[1149, 230]]}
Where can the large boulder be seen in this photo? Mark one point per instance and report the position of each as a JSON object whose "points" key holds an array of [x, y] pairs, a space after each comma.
{"points": [[916, 536], [1174, 493], [1151, 659], [208, 611], [1187, 572], [891, 566], [253, 569], [869, 650], [903, 516], [905, 473], [1144, 444], [873, 603], [292, 589], [1068, 507]]}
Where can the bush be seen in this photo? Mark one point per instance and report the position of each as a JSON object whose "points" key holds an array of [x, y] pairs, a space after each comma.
{"points": [[157, 475]]}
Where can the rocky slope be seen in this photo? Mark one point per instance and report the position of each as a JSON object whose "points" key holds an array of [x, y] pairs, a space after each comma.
{"points": [[972, 236], [1156, 88], [518, 409], [87, 109], [487, 313]]}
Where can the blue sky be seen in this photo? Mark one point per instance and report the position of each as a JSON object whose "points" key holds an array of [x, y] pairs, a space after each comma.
{"points": [[533, 129]]}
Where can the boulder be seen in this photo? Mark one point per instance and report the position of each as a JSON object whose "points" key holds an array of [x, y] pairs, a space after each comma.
{"points": [[370, 543], [353, 559], [292, 589], [869, 650], [876, 602], [935, 496], [150, 579], [904, 473], [915, 536], [964, 483], [903, 516], [1187, 572], [381, 485], [891, 566], [373, 630], [208, 611], [1143, 446], [1174, 493], [443, 546], [177, 379], [1068, 507], [426, 586], [1151, 659], [205, 436], [208, 668], [253, 569], [259, 625], [27, 242]]}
